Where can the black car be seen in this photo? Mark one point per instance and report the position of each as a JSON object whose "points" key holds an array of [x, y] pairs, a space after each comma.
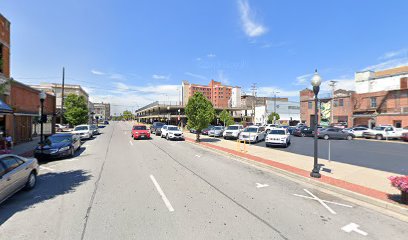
{"points": [[303, 132], [158, 130], [291, 130], [106, 122], [155, 126], [58, 146]]}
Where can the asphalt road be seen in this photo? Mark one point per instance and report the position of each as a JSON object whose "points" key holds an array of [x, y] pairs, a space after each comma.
{"points": [[380, 155], [118, 188]]}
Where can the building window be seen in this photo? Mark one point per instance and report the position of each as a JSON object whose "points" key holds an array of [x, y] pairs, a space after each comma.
{"points": [[309, 105], [373, 102], [335, 103], [341, 102]]}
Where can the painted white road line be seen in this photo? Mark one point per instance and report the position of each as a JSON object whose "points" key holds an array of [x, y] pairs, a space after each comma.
{"points": [[163, 196], [47, 168], [352, 227], [131, 143], [198, 156], [335, 203], [260, 185]]}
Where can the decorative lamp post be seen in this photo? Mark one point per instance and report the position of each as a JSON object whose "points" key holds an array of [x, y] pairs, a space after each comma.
{"points": [[168, 114], [179, 118], [42, 96], [316, 81]]}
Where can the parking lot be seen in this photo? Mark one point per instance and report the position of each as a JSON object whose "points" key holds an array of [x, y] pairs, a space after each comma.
{"points": [[380, 155]]}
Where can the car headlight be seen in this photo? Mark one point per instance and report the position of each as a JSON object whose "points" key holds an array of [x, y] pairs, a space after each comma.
{"points": [[64, 149], [136, 132]]}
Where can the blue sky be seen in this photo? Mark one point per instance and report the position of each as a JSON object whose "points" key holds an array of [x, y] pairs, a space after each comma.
{"points": [[131, 53]]}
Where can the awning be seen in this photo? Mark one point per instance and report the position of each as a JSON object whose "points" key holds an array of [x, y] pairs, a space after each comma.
{"points": [[4, 108]]}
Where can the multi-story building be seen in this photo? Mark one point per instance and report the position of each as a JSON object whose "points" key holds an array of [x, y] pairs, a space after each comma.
{"points": [[289, 112], [219, 95], [380, 98], [101, 110], [4, 49]]}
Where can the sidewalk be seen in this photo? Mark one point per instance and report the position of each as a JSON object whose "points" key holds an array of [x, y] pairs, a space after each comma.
{"points": [[369, 182], [26, 149]]}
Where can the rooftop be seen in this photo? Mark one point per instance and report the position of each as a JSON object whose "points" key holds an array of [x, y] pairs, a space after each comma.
{"points": [[392, 71]]}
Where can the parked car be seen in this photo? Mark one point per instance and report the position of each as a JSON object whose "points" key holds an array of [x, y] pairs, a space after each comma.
{"points": [[155, 126], [233, 131], [269, 127], [303, 131], [192, 130], [16, 173], [58, 146], [106, 122], [405, 136], [357, 131], [253, 134], [83, 131], [384, 132], [171, 132], [140, 132], [334, 133], [278, 136], [95, 130], [216, 131], [158, 131], [60, 127], [291, 129], [206, 130]]}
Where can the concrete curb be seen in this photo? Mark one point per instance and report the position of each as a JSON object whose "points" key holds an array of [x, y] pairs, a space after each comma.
{"points": [[389, 208]]}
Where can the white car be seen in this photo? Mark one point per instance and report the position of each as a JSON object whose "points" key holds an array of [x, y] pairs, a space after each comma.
{"points": [[60, 127], [269, 127], [232, 131], [253, 134], [357, 131], [278, 136], [171, 132], [83, 131]]}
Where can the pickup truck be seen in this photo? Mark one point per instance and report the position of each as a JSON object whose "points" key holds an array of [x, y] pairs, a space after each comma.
{"points": [[384, 132]]}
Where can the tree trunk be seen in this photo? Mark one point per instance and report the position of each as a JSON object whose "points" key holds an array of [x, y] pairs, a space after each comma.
{"points": [[198, 136]]}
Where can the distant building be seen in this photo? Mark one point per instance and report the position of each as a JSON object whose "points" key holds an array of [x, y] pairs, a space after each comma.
{"points": [[289, 112], [4, 49], [380, 98], [101, 110], [219, 95]]}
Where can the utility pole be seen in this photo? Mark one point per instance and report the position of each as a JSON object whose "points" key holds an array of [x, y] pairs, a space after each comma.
{"points": [[253, 89], [62, 97], [332, 84], [274, 106]]}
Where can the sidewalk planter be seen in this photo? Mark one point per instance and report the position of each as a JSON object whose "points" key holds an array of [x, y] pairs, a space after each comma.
{"points": [[401, 182]]}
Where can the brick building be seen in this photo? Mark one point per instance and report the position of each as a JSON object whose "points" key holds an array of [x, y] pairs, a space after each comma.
{"points": [[102, 110], [218, 94], [4, 49], [381, 98]]}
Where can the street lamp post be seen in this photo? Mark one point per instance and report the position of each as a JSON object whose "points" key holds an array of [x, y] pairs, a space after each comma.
{"points": [[42, 96], [316, 81], [179, 118], [168, 114]]}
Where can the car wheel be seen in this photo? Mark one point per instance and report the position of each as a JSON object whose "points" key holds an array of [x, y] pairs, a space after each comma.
{"points": [[285, 145], [349, 137], [379, 137], [256, 139], [32, 180], [326, 137], [72, 153], [167, 136], [302, 134]]}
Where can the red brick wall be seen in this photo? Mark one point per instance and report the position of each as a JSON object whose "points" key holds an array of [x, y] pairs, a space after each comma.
{"points": [[218, 96], [26, 100], [5, 41]]}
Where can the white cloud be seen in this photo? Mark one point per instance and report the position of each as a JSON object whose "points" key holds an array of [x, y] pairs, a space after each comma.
{"points": [[160, 77], [196, 75], [397, 53], [222, 77], [391, 63], [117, 76], [211, 55], [249, 25], [303, 79], [96, 72], [341, 83]]}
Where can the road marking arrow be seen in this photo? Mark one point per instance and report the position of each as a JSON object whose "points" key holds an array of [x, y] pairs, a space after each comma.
{"points": [[352, 227], [259, 185]]}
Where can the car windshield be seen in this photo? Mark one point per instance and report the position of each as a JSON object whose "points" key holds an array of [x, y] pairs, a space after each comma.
{"points": [[251, 130], [277, 132], [139, 127], [173, 128], [217, 128], [58, 139], [379, 128], [232, 128], [159, 124], [81, 128]]}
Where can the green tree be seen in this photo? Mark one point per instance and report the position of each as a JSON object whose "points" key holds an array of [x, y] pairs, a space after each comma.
{"points": [[76, 109], [226, 118], [200, 113], [270, 117], [127, 115]]}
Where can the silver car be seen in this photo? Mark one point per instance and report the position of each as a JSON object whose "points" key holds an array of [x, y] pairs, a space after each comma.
{"points": [[216, 131], [16, 173]]}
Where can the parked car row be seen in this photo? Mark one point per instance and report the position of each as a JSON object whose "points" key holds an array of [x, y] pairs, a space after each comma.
{"points": [[170, 132]]}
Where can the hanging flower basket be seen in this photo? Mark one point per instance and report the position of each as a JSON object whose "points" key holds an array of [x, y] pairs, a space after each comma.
{"points": [[401, 182]]}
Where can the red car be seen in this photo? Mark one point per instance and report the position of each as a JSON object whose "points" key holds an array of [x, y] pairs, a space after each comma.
{"points": [[140, 132], [405, 137]]}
